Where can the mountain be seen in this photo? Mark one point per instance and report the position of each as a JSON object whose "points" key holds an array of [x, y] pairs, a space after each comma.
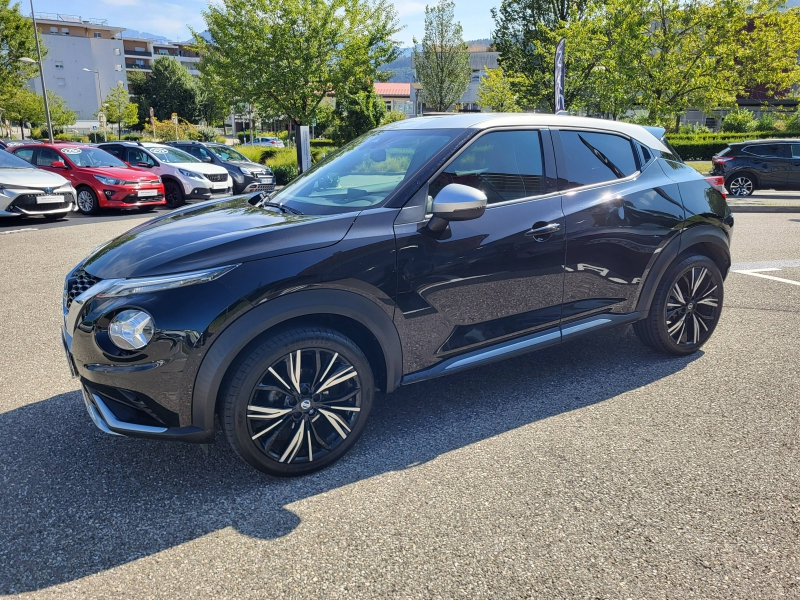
{"points": [[402, 72], [143, 35]]}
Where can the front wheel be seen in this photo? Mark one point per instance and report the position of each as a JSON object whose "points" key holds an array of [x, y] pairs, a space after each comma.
{"points": [[174, 194], [298, 401], [87, 201], [741, 185], [686, 308]]}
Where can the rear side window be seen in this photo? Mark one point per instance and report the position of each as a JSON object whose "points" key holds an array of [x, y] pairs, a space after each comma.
{"points": [[26, 154], [505, 165], [795, 150], [46, 157], [596, 157], [766, 150], [115, 150]]}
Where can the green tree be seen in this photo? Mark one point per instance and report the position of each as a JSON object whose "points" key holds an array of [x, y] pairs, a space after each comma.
{"points": [[24, 106], [16, 41], [495, 92], [442, 64], [169, 89], [60, 114], [288, 56], [357, 113], [138, 87], [119, 109]]}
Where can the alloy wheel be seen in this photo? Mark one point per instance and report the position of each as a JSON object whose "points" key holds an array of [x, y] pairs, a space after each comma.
{"points": [[85, 201], [741, 186], [304, 406], [692, 307]]}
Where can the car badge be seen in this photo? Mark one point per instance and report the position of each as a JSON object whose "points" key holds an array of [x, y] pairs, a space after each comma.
{"points": [[48, 190]]}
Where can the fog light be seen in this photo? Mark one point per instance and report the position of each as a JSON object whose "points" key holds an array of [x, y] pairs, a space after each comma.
{"points": [[132, 329]]}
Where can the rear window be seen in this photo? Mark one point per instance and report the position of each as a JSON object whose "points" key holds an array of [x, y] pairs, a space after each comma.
{"points": [[673, 153], [596, 157]]}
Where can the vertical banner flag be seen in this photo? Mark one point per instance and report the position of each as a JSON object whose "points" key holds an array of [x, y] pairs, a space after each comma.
{"points": [[305, 149], [559, 76]]}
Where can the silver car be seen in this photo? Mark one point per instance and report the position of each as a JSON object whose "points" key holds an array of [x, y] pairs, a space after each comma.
{"points": [[27, 191]]}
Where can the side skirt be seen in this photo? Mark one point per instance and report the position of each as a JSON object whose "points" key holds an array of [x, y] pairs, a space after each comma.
{"points": [[522, 345]]}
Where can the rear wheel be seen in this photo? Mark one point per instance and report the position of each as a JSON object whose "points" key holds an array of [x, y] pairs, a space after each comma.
{"points": [[741, 184], [174, 194], [87, 201], [298, 401], [686, 307]]}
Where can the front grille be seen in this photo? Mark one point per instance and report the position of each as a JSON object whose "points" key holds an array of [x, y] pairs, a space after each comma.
{"points": [[262, 187], [217, 177], [79, 283], [27, 203]]}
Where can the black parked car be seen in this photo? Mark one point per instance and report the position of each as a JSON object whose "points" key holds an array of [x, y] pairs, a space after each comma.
{"points": [[423, 248], [247, 176], [759, 164]]}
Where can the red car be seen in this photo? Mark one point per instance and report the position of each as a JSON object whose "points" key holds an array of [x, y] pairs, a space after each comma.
{"points": [[100, 178]]}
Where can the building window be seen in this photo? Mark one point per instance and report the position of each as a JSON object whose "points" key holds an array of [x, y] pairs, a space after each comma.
{"points": [[98, 34], [61, 81], [116, 51], [388, 105], [118, 67], [139, 62], [59, 64], [54, 30], [65, 31], [163, 51], [140, 49]]}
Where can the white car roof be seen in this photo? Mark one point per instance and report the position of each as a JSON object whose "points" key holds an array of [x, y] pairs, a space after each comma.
{"points": [[487, 120]]}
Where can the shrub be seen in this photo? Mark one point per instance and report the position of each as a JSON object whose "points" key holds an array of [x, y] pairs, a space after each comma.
{"points": [[132, 137], [220, 139], [392, 116], [765, 122], [739, 120], [321, 142], [699, 150], [96, 137], [206, 133], [36, 133], [694, 129], [68, 137], [780, 125], [251, 152], [793, 123], [284, 173]]}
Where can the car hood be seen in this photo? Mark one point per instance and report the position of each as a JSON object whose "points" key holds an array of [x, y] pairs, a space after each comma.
{"points": [[214, 233], [200, 167], [31, 178], [122, 173]]}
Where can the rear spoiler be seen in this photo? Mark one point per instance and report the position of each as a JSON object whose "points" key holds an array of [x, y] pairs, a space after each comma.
{"points": [[658, 132]]}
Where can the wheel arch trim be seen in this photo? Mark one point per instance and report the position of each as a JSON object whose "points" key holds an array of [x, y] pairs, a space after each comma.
{"points": [[245, 329], [696, 235]]}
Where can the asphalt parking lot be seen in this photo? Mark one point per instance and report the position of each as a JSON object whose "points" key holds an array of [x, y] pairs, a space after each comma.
{"points": [[596, 469]]}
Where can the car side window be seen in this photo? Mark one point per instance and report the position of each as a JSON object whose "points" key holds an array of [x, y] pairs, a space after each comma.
{"points": [[766, 150], [200, 153], [596, 157], [115, 150], [26, 154], [505, 165], [795, 150], [136, 156], [46, 157]]}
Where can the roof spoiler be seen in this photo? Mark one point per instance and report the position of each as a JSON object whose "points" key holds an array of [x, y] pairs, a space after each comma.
{"points": [[658, 132]]}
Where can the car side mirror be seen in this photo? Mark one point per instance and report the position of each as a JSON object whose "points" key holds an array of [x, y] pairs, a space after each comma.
{"points": [[145, 165], [58, 164], [207, 159], [456, 202]]}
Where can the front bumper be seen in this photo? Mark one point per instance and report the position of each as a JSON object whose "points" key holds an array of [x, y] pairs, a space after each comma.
{"points": [[127, 197], [203, 193], [17, 203]]}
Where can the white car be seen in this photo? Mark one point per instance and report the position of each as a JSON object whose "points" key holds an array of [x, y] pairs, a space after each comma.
{"points": [[26, 191], [185, 177], [271, 142]]}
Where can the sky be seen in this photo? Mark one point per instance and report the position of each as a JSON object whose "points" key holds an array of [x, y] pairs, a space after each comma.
{"points": [[172, 19]]}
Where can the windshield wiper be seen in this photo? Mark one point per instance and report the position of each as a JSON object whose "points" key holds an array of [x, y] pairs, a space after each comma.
{"points": [[281, 207]]}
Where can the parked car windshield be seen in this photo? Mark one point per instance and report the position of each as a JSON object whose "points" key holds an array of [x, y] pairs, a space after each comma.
{"points": [[91, 157], [226, 153], [172, 155], [364, 172], [9, 161]]}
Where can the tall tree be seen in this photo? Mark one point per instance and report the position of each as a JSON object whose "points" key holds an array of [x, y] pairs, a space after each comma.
{"points": [[290, 55], [495, 92], [24, 106], [60, 114], [442, 64], [16, 41], [357, 113], [170, 89], [119, 109]]}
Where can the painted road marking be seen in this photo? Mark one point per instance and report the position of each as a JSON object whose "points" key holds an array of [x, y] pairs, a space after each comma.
{"points": [[19, 230], [759, 273]]}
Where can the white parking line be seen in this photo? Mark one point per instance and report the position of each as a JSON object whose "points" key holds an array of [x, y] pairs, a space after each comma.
{"points": [[759, 273], [19, 230]]}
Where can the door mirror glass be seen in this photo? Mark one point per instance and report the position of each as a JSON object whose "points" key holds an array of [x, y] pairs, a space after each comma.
{"points": [[456, 202], [58, 164], [207, 159]]}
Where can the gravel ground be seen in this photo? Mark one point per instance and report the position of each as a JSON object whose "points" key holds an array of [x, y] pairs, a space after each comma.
{"points": [[596, 469]]}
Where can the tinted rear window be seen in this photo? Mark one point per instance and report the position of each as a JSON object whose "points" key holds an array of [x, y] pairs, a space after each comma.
{"points": [[596, 157]]}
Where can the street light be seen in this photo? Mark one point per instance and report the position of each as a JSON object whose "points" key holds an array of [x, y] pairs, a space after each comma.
{"points": [[41, 74], [99, 102]]}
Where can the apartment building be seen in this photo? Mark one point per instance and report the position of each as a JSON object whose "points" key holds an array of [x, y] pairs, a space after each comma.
{"points": [[75, 43]]}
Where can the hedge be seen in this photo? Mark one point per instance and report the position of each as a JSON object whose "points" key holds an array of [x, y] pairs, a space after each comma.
{"points": [[706, 145]]}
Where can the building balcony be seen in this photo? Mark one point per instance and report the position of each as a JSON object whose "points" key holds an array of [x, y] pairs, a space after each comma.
{"points": [[137, 53], [130, 65]]}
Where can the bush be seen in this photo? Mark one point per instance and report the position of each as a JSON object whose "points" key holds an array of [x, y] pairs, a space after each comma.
{"points": [[739, 120], [698, 150], [392, 116], [220, 139], [321, 142], [766, 122], [251, 152], [206, 133], [36, 133], [793, 123], [693, 129], [96, 137], [68, 137], [132, 137], [284, 173]]}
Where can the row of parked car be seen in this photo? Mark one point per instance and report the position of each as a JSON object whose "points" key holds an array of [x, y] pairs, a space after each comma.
{"points": [[53, 179]]}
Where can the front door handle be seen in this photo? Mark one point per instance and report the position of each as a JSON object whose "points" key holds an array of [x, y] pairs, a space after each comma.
{"points": [[540, 231]]}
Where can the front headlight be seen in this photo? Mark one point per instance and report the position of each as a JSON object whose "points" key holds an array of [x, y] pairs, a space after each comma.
{"points": [[191, 174], [245, 170], [146, 285], [108, 180]]}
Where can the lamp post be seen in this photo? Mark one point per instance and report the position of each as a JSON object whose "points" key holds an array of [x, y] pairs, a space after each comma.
{"points": [[99, 101], [41, 74]]}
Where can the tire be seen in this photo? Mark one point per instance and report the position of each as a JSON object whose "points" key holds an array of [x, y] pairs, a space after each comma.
{"points": [[87, 201], [289, 432], [680, 320], [741, 184], [173, 192]]}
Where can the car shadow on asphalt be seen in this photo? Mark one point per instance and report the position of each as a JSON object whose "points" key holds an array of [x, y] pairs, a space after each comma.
{"points": [[74, 501]]}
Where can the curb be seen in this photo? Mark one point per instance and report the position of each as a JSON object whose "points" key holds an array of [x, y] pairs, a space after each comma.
{"points": [[754, 208]]}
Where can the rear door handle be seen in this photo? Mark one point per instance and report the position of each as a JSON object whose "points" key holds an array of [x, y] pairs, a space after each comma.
{"points": [[540, 230]]}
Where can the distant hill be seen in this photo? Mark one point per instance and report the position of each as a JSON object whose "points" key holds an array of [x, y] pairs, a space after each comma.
{"points": [[401, 68], [143, 35]]}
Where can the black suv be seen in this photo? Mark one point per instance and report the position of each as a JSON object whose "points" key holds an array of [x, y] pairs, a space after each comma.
{"points": [[247, 176], [760, 164], [423, 248]]}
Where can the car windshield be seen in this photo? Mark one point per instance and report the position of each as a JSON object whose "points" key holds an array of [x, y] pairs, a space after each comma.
{"points": [[9, 161], [225, 153], [364, 172], [172, 155], [91, 157]]}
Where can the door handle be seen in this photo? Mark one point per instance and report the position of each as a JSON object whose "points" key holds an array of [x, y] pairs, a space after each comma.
{"points": [[540, 230]]}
